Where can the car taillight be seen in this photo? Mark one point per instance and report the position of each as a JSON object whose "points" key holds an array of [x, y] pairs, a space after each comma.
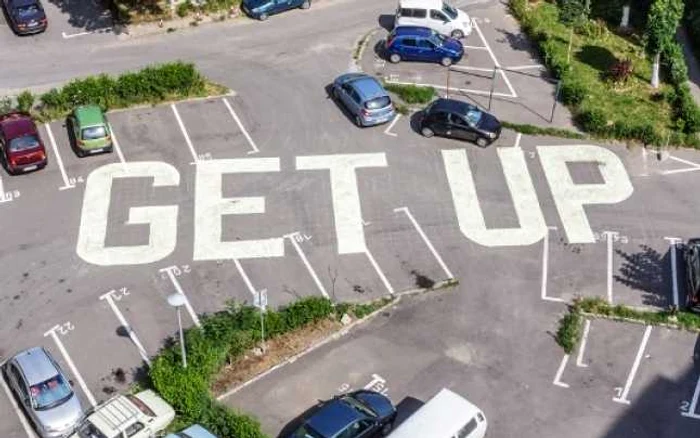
{"points": [[13, 163], [389, 41], [43, 21], [42, 155]]}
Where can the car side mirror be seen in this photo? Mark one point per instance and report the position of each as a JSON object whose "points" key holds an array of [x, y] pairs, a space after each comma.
{"points": [[71, 382]]}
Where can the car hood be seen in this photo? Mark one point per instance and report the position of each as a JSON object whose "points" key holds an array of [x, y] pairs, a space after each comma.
{"points": [[378, 403], [64, 417], [489, 123], [164, 412], [254, 4], [463, 17], [453, 45]]}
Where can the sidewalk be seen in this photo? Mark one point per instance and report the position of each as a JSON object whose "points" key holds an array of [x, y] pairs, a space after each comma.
{"points": [[693, 64]]}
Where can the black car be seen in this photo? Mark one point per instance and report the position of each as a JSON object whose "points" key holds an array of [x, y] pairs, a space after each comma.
{"points": [[26, 16], [457, 119], [691, 256], [359, 414]]}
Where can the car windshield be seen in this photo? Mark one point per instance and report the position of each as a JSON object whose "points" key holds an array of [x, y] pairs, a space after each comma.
{"points": [[50, 393], [358, 406], [88, 430], [306, 432], [377, 103], [449, 11], [438, 39], [473, 116], [24, 143], [27, 11], [94, 133]]}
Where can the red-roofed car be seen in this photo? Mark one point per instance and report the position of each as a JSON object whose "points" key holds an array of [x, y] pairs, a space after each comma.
{"points": [[22, 148]]}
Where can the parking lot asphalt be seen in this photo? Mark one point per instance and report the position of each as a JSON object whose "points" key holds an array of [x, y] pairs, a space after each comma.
{"points": [[490, 338]]}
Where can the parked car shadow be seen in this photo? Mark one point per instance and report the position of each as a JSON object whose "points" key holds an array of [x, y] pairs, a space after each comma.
{"points": [[380, 50], [415, 120], [339, 104], [406, 407], [386, 21]]}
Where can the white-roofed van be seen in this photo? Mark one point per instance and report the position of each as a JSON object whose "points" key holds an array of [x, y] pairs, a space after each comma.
{"points": [[446, 415], [434, 14]]}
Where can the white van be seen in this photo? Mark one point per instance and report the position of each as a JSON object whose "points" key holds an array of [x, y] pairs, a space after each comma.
{"points": [[447, 415], [434, 14]]}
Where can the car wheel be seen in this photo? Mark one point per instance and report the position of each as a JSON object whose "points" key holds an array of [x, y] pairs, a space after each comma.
{"points": [[306, 4], [395, 58], [427, 132], [482, 142], [446, 61], [358, 121], [457, 34], [386, 429], [263, 17]]}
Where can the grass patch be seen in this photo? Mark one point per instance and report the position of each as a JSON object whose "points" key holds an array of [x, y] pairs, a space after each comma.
{"points": [[146, 11], [412, 94], [536, 130]]}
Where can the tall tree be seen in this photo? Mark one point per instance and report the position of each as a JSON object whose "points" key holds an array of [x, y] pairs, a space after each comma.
{"points": [[660, 32]]}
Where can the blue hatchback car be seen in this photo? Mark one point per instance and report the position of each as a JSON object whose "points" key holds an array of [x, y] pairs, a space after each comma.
{"points": [[262, 9], [358, 414], [413, 43], [365, 99]]}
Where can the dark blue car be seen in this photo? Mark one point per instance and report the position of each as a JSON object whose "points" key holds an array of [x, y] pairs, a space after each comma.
{"points": [[364, 97], [262, 9], [412, 43], [26, 16], [359, 414]]}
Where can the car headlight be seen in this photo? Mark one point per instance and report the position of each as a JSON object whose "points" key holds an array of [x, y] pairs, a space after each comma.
{"points": [[492, 135]]}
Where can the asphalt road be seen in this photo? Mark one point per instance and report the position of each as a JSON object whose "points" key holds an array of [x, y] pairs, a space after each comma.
{"points": [[345, 233]]}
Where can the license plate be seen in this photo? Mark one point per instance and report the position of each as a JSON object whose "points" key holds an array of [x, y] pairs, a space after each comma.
{"points": [[96, 151], [30, 168], [33, 23]]}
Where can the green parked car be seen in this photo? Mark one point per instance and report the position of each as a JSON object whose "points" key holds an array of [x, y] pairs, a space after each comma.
{"points": [[91, 133]]}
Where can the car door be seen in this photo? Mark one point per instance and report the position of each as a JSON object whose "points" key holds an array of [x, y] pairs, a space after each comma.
{"points": [[426, 50], [282, 5], [438, 122], [408, 48], [460, 129], [439, 22], [20, 388], [358, 429], [345, 91]]}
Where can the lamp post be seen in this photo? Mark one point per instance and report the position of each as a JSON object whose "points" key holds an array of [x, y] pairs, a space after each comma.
{"points": [[177, 300]]}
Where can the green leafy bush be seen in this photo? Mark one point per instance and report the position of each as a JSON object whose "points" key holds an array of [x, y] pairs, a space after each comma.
{"points": [[572, 92], [184, 8], [572, 12], [674, 61], [569, 330], [412, 94], [593, 120], [25, 101]]}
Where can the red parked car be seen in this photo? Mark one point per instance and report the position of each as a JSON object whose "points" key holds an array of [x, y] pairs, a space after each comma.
{"points": [[22, 148]]}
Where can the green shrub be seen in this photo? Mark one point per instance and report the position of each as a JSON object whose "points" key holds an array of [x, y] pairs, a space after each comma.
{"points": [[554, 57], [184, 8], [674, 61], [5, 105], [412, 94], [572, 92], [569, 330], [593, 121], [25, 101], [572, 12]]}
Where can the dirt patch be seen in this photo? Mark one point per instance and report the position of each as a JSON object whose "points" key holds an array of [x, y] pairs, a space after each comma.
{"points": [[278, 350]]}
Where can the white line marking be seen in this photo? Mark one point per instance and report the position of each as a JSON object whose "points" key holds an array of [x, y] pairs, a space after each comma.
{"points": [[240, 126], [52, 140], [391, 125], [545, 269], [468, 68], [297, 247], [2, 193], [79, 34], [179, 290], [475, 47], [461, 90], [524, 67], [495, 61], [681, 160], [184, 133], [686, 170], [692, 409], [426, 240], [25, 425], [379, 272], [132, 334], [635, 366], [674, 268], [517, 140], [71, 365], [246, 280], [610, 236], [582, 347], [644, 162], [116, 145], [557, 379]]}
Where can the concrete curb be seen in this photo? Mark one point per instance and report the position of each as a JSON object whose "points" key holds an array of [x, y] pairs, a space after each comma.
{"points": [[438, 286], [640, 322], [359, 49]]}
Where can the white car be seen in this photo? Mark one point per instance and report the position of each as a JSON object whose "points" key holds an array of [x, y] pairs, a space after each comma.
{"points": [[434, 14], [127, 416]]}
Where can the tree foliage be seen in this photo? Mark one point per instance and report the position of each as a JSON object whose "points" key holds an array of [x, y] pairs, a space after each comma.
{"points": [[662, 23]]}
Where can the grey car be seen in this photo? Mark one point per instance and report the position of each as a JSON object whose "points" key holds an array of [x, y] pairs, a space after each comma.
{"points": [[44, 392], [365, 98]]}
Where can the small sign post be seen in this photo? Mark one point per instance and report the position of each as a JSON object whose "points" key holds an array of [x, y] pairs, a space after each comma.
{"points": [[260, 301]]}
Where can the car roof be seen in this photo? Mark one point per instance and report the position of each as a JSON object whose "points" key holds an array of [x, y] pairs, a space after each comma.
{"points": [[36, 365], [114, 416], [88, 115], [413, 31], [451, 105], [426, 4], [368, 87], [333, 417], [19, 3], [194, 431], [17, 124]]}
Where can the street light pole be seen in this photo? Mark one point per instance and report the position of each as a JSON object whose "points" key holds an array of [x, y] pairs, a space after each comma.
{"points": [[177, 300]]}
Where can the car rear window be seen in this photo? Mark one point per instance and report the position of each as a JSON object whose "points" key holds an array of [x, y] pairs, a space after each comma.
{"points": [[379, 102], [27, 11], [24, 143], [415, 13], [94, 133], [50, 393]]}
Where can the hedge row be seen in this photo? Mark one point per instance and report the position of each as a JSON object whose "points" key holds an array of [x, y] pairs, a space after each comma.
{"points": [[224, 338]]}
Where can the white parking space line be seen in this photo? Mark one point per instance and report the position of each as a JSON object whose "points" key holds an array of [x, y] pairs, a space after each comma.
{"points": [[622, 397], [254, 147], [694, 167], [545, 269], [25, 424], [692, 411], [560, 371], [495, 61], [117, 148], [610, 237], [246, 280], [71, 365], [195, 158], [110, 297], [387, 131], [475, 47], [673, 241], [374, 263], [426, 240], [469, 68], [171, 275], [517, 140], [452, 89], [525, 67], [582, 347], [59, 161], [68, 36], [7, 196], [294, 237]]}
